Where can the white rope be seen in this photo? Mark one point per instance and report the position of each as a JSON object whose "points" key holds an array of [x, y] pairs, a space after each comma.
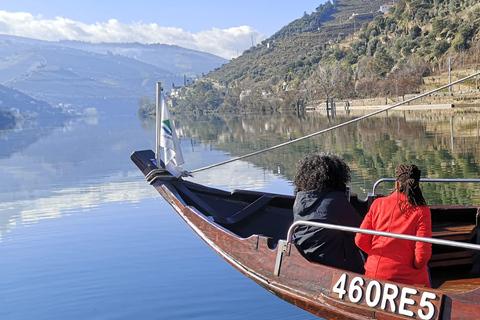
{"points": [[335, 127]]}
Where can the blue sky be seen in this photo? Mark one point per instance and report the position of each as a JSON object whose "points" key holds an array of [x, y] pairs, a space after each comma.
{"points": [[219, 27]]}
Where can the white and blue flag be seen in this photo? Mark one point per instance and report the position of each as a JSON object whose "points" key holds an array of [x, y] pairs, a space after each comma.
{"points": [[172, 153]]}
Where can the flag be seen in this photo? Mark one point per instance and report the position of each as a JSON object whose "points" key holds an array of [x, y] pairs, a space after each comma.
{"points": [[172, 154]]}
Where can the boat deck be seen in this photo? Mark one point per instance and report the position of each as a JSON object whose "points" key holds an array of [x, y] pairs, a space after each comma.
{"points": [[455, 278]]}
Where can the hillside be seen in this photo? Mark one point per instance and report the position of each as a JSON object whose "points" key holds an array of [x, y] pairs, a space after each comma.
{"points": [[75, 72], [177, 60], [299, 45], [347, 49]]}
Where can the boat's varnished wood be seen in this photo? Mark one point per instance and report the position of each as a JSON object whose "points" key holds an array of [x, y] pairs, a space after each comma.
{"points": [[255, 258], [455, 231], [453, 255]]}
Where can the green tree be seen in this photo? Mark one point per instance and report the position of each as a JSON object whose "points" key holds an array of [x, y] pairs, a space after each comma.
{"points": [[359, 47], [145, 106], [200, 96], [439, 24], [415, 32], [440, 48], [381, 64]]}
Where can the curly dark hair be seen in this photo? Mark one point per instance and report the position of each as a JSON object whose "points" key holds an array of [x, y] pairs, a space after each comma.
{"points": [[408, 177], [321, 170]]}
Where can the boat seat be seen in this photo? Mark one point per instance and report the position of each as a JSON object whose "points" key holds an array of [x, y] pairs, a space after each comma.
{"points": [[257, 205], [201, 205], [455, 231], [452, 258], [464, 229]]}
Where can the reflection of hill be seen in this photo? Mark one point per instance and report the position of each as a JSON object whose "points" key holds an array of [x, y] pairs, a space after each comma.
{"points": [[372, 146], [17, 102]]}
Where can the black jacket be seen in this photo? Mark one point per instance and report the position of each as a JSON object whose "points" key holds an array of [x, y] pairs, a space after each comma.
{"points": [[330, 247]]}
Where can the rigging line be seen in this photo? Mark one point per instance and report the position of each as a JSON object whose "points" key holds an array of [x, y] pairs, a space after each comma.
{"points": [[336, 126]]}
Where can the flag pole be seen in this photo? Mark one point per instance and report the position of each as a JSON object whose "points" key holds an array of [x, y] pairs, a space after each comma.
{"points": [[158, 123]]}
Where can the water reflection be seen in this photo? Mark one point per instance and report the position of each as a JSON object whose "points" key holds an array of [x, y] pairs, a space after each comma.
{"points": [[30, 211], [443, 143], [81, 229], [83, 164], [51, 169], [48, 171]]}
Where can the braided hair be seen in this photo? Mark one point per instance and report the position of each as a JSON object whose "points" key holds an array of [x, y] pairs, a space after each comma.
{"points": [[321, 170], [408, 177]]}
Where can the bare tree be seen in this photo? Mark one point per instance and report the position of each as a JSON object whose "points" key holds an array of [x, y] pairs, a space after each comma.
{"points": [[328, 77], [308, 90]]}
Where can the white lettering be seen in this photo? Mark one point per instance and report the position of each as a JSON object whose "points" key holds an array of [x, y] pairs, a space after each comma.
{"points": [[355, 292], [339, 287], [404, 300], [428, 304], [390, 292], [377, 293]]}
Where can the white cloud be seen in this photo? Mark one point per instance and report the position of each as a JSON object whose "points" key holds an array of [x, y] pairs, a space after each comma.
{"points": [[227, 43]]}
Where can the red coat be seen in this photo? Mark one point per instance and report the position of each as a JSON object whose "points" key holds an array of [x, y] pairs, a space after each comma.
{"points": [[398, 260]]}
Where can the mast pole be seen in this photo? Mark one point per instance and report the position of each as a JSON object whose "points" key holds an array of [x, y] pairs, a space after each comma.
{"points": [[158, 123]]}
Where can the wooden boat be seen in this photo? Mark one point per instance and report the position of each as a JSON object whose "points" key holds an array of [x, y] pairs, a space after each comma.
{"points": [[251, 230]]}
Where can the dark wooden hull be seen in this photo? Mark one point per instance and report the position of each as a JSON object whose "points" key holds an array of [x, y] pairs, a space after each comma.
{"points": [[253, 250]]}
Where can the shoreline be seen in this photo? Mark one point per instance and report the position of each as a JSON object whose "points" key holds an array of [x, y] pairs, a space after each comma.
{"points": [[439, 106], [355, 106]]}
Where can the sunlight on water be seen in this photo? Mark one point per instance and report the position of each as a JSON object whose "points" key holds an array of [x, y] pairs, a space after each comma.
{"points": [[64, 201], [242, 175]]}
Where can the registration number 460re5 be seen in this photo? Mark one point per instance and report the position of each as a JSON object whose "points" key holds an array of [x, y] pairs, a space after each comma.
{"points": [[385, 296]]}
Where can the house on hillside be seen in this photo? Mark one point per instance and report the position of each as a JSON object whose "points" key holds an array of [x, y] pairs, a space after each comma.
{"points": [[359, 17], [175, 91], [385, 7]]}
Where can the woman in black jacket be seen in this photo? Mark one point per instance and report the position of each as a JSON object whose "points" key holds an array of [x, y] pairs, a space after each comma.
{"points": [[320, 185]]}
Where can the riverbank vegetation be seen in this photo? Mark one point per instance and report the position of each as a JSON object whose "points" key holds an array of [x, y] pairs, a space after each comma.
{"points": [[346, 50]]}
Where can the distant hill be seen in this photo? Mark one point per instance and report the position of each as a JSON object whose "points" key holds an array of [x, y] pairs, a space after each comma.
{"points": [[177, 60], [72, 72]]}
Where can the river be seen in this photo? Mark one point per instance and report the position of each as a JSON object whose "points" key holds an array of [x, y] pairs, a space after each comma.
{"points": [[83, 236]]}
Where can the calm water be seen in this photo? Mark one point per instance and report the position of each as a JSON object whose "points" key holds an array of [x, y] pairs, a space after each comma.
{"points": [[83, 236]]}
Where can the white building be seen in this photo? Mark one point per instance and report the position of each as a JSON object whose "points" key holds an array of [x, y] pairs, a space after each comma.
{"points": [[385, 7]]}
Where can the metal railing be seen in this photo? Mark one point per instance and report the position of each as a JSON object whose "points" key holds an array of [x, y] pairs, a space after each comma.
{"points": [[283, 245], [375, 185], [450, 243]]}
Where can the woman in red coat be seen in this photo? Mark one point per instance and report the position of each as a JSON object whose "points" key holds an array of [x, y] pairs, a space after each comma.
{"points": [[404, 211]]}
